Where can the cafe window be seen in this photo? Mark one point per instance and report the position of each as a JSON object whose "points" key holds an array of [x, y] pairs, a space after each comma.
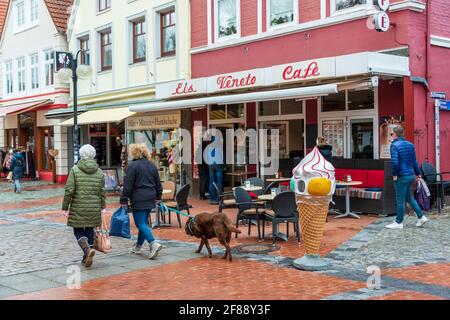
{"points": [[291, 107], [361, 99], [106, 50], [227, 23], [139, 45], [283, 107], [346, 4], [227, 112], [281, 11], [334, 102], [168, 33]]}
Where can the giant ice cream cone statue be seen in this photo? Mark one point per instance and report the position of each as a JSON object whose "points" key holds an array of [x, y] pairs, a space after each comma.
{"points": [[314, 184]]}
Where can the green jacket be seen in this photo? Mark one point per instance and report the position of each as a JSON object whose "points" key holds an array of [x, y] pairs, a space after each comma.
{"points": [[85, 195]]}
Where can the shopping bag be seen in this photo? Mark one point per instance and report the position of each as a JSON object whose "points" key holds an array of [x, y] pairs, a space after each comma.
{"points": [[102, 242], [422, 195], [9, 176], [120, 224]]}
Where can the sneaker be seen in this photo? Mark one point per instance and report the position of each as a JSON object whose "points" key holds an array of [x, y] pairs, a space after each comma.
{"points": [[155, 247], [395, 225], [136, 249], [421, 221]]}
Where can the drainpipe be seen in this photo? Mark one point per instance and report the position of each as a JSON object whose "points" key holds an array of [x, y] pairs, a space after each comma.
{"points": [[427, 69]]}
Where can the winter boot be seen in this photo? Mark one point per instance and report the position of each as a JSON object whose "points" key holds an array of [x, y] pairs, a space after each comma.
{"points": [[87, 250]]}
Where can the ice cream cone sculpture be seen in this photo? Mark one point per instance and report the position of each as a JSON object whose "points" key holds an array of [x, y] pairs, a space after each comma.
{"points": [[314, 184]]}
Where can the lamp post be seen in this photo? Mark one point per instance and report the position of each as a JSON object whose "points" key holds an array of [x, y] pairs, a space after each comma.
{"points": [[66, 61]]}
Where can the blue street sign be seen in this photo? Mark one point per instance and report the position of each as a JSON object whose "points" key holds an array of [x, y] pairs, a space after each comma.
{"points": [[444, 105], [438, 95]]}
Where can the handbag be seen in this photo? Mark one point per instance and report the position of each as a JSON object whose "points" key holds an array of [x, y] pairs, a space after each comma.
{"points": [[120, 223], [102, 242], [422, 195], [9, 176]]}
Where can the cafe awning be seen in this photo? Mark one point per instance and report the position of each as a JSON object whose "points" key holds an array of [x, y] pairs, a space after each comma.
{"points": [[23, 107], [295, 93], [101, 116]]}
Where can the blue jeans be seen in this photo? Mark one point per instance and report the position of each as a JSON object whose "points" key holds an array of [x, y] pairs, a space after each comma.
{"points": [[215, 175], [141, 219], [16, 185], [403, 191], [84, 233]]}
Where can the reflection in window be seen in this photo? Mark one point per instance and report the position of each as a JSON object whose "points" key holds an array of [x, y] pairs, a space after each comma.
{"points": [[361, 99], [168, 33], [217, 112], [334, 102], [235, 111], [345, 4], [139, 46], [269, 108], [281, 11], [291, 106], [362, 139], [227, 17]]}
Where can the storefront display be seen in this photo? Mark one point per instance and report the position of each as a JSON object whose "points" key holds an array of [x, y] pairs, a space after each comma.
{"points": [[333, 132]]}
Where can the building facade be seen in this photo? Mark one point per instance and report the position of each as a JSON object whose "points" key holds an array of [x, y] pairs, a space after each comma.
{"points": [[131, 46], [348, 82], [33, 30]]}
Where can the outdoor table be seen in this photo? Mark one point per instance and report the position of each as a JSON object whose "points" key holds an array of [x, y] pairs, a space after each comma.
{"points": [[158, 223], [348, 212], [278, 179], [240, 174], [251, 188], [269, 198]]}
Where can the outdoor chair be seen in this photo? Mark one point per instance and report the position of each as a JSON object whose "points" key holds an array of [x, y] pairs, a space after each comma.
{"points": [[169, 185], [248, 210], [270, 186], [438, 189], [180, 203], [284, 209], [226, 199]]}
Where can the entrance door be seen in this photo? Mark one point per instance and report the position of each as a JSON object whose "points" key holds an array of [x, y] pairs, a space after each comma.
{"points": [[362, 138], [46, 141]]}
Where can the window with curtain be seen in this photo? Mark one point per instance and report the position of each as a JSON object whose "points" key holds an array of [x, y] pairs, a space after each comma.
{"points": [[106, 50], [21, 74], [227, 23], [281, 11], [168, 33], [9, 77], [34, 61], [345, 4], [49, 68], [139, 46]]}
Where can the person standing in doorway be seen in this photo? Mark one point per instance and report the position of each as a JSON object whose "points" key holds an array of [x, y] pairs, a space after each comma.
{"points": [[18, 168], [85, 201], [216, 168], [405, 168], [142, 186]]}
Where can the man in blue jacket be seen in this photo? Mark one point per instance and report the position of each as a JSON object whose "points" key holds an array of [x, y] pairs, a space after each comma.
{"points": [[404, 171]]}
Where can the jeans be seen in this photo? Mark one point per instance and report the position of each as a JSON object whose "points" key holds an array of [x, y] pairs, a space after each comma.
{"points": [[403, 191], [85, 232], [141, 219], [215, 175], [204, 185], [16, 185]]}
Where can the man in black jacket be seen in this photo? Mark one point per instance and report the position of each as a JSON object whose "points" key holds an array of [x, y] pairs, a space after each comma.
{"points": [[142, 186]]}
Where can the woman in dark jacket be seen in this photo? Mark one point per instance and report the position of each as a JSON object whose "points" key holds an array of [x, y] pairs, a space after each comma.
{"points": [[325, 149], [18, 168], [86, 198], [142, 186]]}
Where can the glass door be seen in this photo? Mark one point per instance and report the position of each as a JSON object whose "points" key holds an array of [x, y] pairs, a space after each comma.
{"points": [[362, 138]]}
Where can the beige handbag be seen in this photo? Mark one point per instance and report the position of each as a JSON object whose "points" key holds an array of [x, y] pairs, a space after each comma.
{"points": [[102, 242], [9, 176]]}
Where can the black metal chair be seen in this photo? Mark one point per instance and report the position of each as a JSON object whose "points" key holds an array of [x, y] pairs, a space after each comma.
{"points": [[248, 210], [438, 189], [180, 203], [271, 185], [255, 181], [226, 199], [284, 209]]}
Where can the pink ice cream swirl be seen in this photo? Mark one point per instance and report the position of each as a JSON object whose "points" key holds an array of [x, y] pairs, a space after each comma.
{"points": [[314, 165]]}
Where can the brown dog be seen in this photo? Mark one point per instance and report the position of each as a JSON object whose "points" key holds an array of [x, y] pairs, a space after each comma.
{"points": [[209, 225]]}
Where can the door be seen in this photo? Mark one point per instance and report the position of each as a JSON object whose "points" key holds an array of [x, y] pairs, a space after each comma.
{"points": [[334, 132]]}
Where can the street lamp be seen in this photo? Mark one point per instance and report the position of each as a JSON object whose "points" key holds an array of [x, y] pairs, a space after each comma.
{"points": [[67, 67]]}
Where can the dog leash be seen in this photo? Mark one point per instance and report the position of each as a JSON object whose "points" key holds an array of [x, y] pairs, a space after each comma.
{"points": [[164, 208]]}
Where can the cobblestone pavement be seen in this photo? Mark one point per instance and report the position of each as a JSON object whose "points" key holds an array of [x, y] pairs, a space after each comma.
{"points": [[38, 249]]}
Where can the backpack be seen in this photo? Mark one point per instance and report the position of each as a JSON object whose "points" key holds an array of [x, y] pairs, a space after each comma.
{"points": [[421, 196]]}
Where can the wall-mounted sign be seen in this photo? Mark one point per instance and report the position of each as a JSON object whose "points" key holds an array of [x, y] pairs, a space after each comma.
{"points": [[239, 80], [444, 105], [381, 21], [181, 88], [438, 95], [382, 4], [63, 60], [156, 121], [301, 71]]}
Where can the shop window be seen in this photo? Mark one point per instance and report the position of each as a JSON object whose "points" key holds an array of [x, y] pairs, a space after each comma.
{"points": [[235, 111], [345, 4], [281, 11], [269, 108], [139, 45], [217, 112], [116, 134], [106, 50], [361, 99], [98, 129], [334, 133], [168, 33], [334, 102], [362, 131], [227, 18], [291, 107]]}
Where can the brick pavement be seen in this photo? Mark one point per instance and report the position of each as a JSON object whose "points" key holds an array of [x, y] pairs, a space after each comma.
{"points": [[43, 248]]}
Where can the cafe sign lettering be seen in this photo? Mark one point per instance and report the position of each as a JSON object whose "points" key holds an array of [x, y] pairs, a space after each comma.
{"points": [[236, 81], [181, 88], [157, 121], [302, 71]]}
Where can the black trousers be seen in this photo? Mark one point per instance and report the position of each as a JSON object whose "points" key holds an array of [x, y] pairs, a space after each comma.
{"points": [[84, 232], [204, 185]]}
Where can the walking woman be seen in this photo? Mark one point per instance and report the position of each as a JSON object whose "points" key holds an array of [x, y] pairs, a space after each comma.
{"points": [[85, 199], [17, 167], [143, 188]]}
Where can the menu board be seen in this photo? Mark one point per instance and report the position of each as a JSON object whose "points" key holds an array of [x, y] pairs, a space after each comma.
{"points": [[99, 143], [333, 132]]}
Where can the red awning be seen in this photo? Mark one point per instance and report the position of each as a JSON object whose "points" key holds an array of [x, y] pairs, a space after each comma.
{"points": [[23, 107]]}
